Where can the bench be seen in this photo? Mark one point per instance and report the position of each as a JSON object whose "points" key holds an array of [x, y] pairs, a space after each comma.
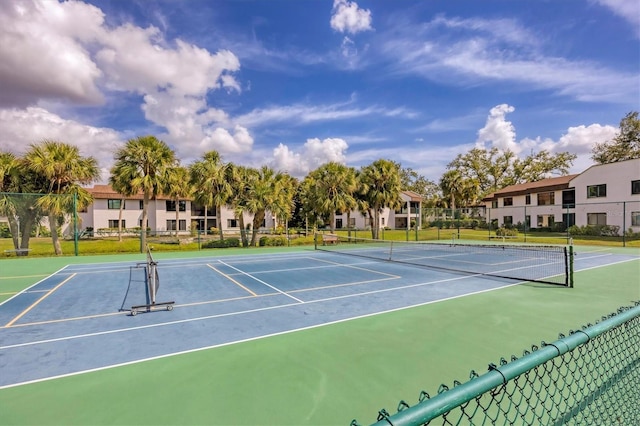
{"points": [[16, 251], [329, 239]]}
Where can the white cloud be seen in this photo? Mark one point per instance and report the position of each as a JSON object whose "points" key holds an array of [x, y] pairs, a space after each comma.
{"points": [[498, 131], [42, 45], [65, 52], [348, 17], [137, 59], [627, 9], [313, 154], [477, 50], [20, 128], [222, 140], [302, 113], [579, 140]]}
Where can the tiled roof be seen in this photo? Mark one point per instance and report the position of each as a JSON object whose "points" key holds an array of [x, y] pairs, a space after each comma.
{"points": [[414, 196], [102, 192], [550, 184]]}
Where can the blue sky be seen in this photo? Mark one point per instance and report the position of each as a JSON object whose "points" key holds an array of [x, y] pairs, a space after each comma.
{"points": [[294, 84]]}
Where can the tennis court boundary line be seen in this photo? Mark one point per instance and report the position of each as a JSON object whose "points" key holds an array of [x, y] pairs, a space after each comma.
{"points": [[107, 367], [24, 290]]}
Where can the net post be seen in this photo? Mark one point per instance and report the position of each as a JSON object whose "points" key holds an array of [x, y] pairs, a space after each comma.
{"points": [[570, 260], [152, 283]]}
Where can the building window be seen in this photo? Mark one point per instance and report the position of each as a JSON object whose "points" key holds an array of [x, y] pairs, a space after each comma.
{"points": [[114, 204], [141, 205], [171, 225], [113, 223], [382, 221], [635, 186], [507, 220], [352, 222], [527, 221], [546, 198], [232, 223], [545, 220], [338, 223], [596, 218], [494, 204], [171, 206], [597, 191], [527, 199], [508, 201], [569, 199], [635, 218]]}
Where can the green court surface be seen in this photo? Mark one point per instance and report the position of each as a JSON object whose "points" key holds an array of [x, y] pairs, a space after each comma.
{"points": [[326, 375]]}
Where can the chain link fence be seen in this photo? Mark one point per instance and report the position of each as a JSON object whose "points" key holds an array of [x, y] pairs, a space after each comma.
{"points": [[617, 222], [590, 377]]}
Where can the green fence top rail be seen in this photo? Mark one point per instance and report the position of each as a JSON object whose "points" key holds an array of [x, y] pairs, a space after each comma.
{"points": [[447, 399]]}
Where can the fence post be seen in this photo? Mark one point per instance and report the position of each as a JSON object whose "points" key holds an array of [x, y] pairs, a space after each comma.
{"points": [[525, 224], [75, 223], [624, 223]]}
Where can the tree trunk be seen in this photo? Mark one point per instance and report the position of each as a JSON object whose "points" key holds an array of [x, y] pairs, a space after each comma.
{"points": [[376, 225], [53, 225], [371, 219], [15, 231], [257, 220], [120, 220], [243, 232], [219, 221], [332, 220]]}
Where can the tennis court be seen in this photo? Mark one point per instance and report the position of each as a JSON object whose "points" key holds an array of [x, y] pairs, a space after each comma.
{"points": [[78, 319]]}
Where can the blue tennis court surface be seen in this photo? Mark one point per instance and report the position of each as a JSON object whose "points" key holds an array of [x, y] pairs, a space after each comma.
{"points": [[78, 319]]}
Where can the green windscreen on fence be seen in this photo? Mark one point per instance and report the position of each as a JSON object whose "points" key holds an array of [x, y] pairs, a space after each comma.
{"points": [[591, 377]]}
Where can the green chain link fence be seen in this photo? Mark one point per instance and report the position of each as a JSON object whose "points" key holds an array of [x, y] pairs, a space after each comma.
{"points": [[590, 377]]}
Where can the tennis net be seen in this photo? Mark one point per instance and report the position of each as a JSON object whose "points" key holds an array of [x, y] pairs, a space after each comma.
{"points": [[547, 264]]}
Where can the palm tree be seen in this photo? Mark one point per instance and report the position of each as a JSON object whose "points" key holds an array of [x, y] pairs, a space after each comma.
{"points": [[267, 190], [177, 186], [451, 183], [240, 178], [380, 188], [143, 162], [331, 188], [64, 170], [209, 177], [284, 204], [9, 174], [121, 184]]}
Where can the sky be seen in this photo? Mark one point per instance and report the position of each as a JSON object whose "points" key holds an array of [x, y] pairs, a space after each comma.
{"points": [[293, 84]]}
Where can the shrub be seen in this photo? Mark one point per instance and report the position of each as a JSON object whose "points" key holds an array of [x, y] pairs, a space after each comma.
{"points": [[632, 235], [272, 241], [5, 232], [506, 232], [229, 242], [595, 230]]}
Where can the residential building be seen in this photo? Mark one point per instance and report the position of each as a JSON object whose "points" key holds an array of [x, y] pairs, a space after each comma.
{"points": [[407, 215], [606, 194], [102, 215]]}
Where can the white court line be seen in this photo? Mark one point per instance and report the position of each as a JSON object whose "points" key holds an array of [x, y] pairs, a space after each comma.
{"points": [[25, 290], [207, 317], [608, 264], [338, 264], [262, 282], [260, 337]]}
